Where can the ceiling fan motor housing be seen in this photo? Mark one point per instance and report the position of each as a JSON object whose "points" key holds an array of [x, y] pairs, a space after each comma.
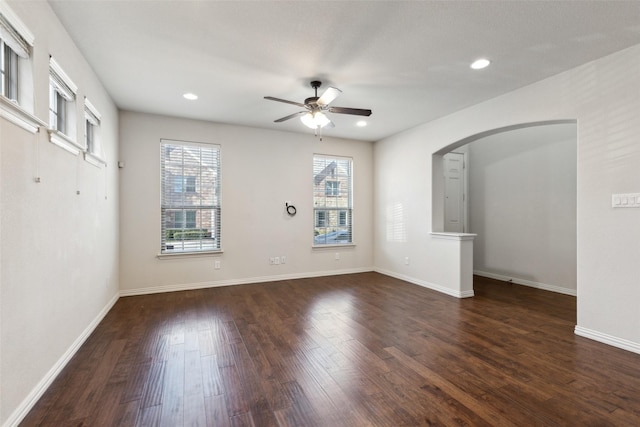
{"points": [[313, 101]]}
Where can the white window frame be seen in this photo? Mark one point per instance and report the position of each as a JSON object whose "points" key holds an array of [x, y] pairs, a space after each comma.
{"points": [[8, 72], [343, 218], [332, 188], [17, 106], [207, 177], [92, 141], [321, 218], [62, 110], [332, 203]]}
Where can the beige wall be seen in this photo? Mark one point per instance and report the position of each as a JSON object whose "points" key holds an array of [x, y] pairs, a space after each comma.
{"points": [[261, 170], [604, 97], [59, 263]]}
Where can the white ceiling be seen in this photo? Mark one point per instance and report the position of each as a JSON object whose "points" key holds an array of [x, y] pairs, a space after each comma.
{"points": [[407, 61]]}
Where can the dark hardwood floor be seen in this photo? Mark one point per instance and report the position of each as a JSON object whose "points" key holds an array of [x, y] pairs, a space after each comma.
{"points": [[353, 350]]}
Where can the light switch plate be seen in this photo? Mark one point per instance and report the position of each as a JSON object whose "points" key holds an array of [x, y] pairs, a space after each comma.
{"points": [[626, 200]]}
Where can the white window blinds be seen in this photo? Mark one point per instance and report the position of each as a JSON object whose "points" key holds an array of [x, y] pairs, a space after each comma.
{"points": [[14, 33], [190, 193], [332, 200], [91, 113], [60, 82]]}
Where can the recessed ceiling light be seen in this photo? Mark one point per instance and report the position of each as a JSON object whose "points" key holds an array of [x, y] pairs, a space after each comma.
{"points": [[190, 96], [480, 64], [361, 123]]}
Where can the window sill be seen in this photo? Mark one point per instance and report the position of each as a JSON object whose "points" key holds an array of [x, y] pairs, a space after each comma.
{"points": [[189, 254], [64, 142], [333, 246], [94, 160], [14, 113]]}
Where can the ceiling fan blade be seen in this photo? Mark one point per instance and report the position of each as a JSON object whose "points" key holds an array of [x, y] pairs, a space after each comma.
{"points": [[290, 116], [354, 111], [329, 95], [271, 98]]}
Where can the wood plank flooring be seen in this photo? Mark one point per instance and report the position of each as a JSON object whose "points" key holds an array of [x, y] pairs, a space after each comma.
{"points": [[352, 350]]}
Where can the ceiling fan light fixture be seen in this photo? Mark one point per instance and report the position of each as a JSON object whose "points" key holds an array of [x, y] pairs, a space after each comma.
{"points": [[315, 120]]}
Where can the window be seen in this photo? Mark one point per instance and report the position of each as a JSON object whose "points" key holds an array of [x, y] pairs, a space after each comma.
{"points": [[332, 188], [57, 110], [92, 148], [16, 74], [185, 184], [342, 218], [321, 219], [91, 126], [12, 46], [332, 200], [190, 205], [8, 72], [182, 219], [62, 95]]}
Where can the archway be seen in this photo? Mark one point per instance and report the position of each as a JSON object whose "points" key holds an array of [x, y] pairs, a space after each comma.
{"points": [[541, 253]]}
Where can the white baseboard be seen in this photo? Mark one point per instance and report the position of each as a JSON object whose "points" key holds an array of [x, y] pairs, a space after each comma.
{"points": [[245, 281], [607, 339], [425, 284], [32, 398], [537, 285]]}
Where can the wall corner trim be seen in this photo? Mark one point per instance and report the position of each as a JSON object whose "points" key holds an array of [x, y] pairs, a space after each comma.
{"points": [[32, 398], [607, 339]]}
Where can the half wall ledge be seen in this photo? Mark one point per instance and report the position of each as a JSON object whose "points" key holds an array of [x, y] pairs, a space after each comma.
{"points": [[457, 261]]}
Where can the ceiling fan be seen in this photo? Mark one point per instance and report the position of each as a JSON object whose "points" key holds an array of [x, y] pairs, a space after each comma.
{"points": [[315, 107]]}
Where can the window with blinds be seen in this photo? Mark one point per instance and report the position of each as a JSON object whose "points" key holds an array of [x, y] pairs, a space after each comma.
{"points": [[190, 193], [91, 125], [332, 200], [62, 95], [12, 46], [8, 72]]}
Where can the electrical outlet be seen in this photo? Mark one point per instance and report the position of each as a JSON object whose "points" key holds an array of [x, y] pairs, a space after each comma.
{"points": [[216, 264], [337, 256], [283, 259], [406, 260]]}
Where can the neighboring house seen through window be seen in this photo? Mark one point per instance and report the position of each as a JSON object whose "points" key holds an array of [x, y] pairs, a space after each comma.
{"points": [[190, 197], [332, 200]]}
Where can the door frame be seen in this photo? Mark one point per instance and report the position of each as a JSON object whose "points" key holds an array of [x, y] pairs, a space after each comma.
{"points": [[465, 187]]}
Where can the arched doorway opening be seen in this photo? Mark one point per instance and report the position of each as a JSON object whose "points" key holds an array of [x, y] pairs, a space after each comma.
{"points": [[521, 202]]}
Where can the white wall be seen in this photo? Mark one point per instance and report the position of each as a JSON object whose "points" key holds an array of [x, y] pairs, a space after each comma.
{"points": [[261, 170], [59, 264], [604, 97], [522, 206]]}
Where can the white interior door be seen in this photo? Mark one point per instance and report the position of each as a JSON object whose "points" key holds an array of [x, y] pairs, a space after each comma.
{"points": [[454, 193]]}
